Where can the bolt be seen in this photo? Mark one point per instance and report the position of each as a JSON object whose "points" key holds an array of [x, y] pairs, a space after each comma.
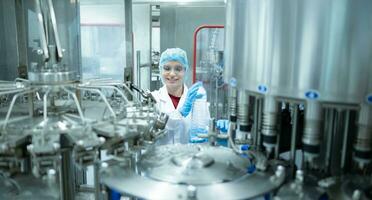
{"points": [[80, 143], [280, 170], [191, 191], [30, 147], [56, 146], [39, 52], [102, 140], [52, 172], [104, 165]]}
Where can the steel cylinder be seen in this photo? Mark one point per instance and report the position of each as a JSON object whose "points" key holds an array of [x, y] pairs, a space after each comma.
{"points": [[313, 128]]}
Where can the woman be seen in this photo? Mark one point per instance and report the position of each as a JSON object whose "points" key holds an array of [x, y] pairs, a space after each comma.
{"points": [[174, 98]]}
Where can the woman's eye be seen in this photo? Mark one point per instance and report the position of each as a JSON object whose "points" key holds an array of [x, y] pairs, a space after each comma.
{"points": [[179, 68]]}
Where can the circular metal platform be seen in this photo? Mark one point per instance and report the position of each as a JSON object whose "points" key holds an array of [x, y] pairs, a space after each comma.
{"points": [[52, 77], [191, 171]]}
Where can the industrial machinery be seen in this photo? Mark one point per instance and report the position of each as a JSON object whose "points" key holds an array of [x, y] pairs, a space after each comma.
{"points": [[55, 125], [300, 90], [300, 112]]}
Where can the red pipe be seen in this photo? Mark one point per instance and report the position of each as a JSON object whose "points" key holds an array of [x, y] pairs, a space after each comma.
{"points": [[195, 46]]}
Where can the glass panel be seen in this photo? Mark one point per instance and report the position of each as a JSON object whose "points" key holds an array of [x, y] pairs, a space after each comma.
{"points": [[209, 69], [102, 39]]}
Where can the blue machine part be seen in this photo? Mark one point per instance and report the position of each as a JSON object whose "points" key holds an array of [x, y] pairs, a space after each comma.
{"points": [[114, 195], [369, 98], [312, 95], [233, 82], [262, 88]]}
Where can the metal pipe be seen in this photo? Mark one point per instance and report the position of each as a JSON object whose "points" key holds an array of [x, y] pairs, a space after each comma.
{"points": [[336, 116], [138, 69], [346, 136], [97, 185], [76, 102], [103, 98], [45, 104], [294, 137], [42, 31], [15, 97], [55, 29], [131, 93], [231, 128], [12, 91]]}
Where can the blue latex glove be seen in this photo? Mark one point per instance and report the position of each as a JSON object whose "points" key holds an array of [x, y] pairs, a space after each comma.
{"points": [[222, 125], [193, 135], [191, 96]]}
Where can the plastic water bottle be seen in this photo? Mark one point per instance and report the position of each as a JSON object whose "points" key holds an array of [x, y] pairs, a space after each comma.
{"points": [[199, 118]]}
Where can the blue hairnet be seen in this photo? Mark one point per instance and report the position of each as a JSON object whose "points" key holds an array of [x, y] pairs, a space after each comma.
{"points": [[173, 54]]}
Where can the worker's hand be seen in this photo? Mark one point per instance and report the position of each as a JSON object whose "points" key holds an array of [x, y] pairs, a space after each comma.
{"points": [[191, 96], [222, 125]]}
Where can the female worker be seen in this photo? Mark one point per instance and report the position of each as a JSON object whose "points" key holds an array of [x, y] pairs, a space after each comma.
{"points": [[174, 98]]}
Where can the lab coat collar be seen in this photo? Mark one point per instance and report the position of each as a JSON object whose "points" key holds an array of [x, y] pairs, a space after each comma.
{"points": [[164, 96]]}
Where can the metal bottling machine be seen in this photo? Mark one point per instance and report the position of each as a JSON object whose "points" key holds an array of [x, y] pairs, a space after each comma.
{"points": [[55, 125], [300, 91], [299, 110]]}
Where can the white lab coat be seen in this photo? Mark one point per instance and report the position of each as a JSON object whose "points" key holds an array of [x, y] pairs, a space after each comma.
{"points": [[177, 126]]}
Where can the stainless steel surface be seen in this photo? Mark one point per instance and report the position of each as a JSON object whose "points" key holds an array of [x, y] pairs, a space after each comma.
{"points": [[28, 187], [233, 95], [269, 128], [312, 131], [52, 77], [192, 165], [315, 54], [243, 106], [9, 51], [300, 49], [191, 171]]}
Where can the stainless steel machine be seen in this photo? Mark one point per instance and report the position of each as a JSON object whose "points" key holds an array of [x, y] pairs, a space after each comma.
{"points": [[300, 112], [55, 125], [300, 76]]}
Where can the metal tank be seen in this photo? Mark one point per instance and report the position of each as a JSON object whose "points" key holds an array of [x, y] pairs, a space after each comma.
{"points": [[300, 49]]}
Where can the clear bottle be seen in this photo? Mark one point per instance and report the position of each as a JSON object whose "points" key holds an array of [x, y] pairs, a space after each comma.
{"points": [[199, 118]]}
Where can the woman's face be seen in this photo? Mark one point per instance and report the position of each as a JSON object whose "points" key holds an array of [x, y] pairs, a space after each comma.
{"points": [[173, 74]]}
